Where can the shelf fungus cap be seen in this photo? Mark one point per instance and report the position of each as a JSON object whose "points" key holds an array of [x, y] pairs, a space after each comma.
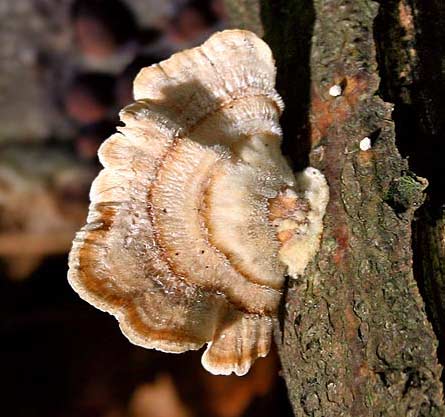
{"points": [[196, 217]]}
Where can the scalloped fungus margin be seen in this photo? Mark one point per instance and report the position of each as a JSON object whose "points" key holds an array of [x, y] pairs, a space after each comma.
{"points": [[196, 217]]}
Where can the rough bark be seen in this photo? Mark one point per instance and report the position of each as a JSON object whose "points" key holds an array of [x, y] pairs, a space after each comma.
{"points": [[245, 14], [354, 338], [429, 237], [410, 37]]}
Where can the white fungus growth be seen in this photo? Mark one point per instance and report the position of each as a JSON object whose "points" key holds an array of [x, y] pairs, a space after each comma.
{"points": [[365, 144], [197, 217], [335, 90]]}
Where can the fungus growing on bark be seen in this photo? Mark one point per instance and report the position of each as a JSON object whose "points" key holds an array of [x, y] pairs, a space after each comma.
{"points": [[335, 90], [365, 144], [196, 217]]}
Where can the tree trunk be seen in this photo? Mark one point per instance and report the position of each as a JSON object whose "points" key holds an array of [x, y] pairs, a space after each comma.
{"points": [[354, 337]]}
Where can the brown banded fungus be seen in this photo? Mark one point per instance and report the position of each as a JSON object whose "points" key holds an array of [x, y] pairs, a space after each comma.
{"points": [[196, 217]]}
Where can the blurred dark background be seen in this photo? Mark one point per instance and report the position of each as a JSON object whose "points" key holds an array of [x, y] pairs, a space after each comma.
{"points": [[66, 68]]}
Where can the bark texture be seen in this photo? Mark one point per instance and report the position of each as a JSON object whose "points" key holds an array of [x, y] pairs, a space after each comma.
{"points": [[354, 338], [429, 238], [245, 14], [410, 38]]}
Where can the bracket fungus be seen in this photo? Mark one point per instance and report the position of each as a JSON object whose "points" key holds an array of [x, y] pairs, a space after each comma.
{"points": [[197, 217]]}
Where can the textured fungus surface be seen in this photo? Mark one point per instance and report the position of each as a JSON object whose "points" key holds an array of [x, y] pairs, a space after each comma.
{"points": [[196, 217]]}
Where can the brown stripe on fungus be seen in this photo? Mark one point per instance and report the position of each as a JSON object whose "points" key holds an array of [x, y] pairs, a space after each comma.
{"points": [[209, 226], [134, 321], [85, 253], [229, 104]]}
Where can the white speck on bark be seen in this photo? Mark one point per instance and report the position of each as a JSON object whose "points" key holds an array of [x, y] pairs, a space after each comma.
{"points": [[335, 90], [365, 144]]}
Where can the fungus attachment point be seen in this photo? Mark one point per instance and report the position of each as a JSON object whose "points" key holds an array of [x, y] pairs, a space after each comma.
{"points": [[196, 217]]}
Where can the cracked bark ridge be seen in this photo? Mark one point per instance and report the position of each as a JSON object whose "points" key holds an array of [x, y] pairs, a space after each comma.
{"points": [[355, 338], [410, 53]]}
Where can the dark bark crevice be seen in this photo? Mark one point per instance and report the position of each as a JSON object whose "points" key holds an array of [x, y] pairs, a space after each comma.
{"points": [[292, 51]]}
